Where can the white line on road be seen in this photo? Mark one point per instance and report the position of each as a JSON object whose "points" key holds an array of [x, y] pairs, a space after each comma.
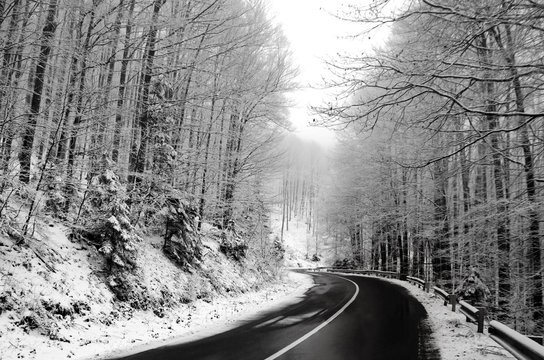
{"points": [[321, 326]]}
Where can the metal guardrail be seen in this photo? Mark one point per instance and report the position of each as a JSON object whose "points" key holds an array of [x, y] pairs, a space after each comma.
{"points": [[386, 274], [515, 343], [446, 297], [538, 339], [473, 314], [443, 294], [416, 281], [319, 268]]}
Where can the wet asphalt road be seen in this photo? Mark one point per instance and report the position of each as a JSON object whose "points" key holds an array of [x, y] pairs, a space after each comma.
{"points": [[383, 322]]}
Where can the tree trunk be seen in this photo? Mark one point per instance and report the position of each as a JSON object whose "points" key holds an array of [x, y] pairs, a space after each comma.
{"points": [[73, 138], [528, 168], [503, 242], [139, 161], [107, 129], [7, 133], [122, 86], [48, 32], [441, 259], [208, 135]]}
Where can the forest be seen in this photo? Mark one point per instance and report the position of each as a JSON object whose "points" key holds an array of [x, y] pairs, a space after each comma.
{"points": [[131, 117], [440, 168], [171, 99], [127, 121]]}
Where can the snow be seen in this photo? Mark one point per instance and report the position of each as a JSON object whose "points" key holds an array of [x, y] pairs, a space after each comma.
{"points": [[203, 319], [299, 243], [145, 330], [219, 295], [226, 297], [90, 340], [455, 338]]}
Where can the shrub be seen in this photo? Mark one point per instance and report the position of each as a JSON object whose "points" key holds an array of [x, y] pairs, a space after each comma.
{"points": [[344, 264], [181, 240]]}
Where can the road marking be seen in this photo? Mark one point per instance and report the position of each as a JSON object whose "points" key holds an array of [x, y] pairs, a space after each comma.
{"points": [[321, 326]]}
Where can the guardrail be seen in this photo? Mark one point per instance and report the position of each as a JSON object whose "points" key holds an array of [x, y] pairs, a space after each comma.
{"points": [[538, 339], [386, 274], [517, 344], [521, 346], [473, 314], [420, 283], [447, 298]]}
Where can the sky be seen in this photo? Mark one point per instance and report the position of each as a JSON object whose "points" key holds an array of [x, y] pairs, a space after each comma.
{"points": [[314, 35]]}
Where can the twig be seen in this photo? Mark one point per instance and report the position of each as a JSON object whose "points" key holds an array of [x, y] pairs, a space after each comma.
{"points": [[51, 268], [81, 205]]}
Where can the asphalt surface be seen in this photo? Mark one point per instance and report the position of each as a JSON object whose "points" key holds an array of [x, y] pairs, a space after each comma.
{"points": [[382, 322]]}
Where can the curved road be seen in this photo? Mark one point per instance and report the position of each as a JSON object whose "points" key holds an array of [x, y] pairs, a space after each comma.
{"points": [[341, 317]]}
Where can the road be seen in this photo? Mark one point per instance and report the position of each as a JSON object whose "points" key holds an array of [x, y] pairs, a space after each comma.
{"points": [[341, 317]]}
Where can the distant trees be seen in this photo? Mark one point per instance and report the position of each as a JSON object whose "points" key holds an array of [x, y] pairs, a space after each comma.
{"points": [[177, 95], [456, 94], [303, 187]]}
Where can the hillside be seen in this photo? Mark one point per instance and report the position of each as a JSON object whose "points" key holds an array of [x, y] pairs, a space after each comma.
{"points": [[300, 244], [56, 302]]}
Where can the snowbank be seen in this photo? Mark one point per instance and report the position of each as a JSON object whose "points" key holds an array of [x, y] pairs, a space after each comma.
{"points": [[455, 338]]}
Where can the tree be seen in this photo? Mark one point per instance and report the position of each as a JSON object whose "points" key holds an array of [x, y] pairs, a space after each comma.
{"points": [[454, 70], [46, 37], [181, 99]]}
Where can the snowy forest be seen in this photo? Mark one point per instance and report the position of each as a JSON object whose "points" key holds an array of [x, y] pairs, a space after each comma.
{"points": [[163, 94], [126, 119], [138, 125], [441, 168]]}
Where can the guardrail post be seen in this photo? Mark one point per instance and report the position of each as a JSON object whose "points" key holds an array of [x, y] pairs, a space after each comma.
{"points": [[453, 302], [480, 319], [427, 286]]}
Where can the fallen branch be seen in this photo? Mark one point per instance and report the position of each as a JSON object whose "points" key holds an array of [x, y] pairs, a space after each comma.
{"points": [[47, 265]]}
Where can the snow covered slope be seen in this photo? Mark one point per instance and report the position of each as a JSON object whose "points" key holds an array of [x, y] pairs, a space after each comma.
{"points": [[55, 302], [300, 244]]}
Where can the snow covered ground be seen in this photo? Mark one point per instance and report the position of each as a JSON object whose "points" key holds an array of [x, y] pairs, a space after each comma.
{"points": [[300, 243], [54, 303], [455, 338], [92, 340]]}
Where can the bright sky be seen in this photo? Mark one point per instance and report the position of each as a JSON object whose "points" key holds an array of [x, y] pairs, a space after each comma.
{"points": [[314, 35], [307, 26]]}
